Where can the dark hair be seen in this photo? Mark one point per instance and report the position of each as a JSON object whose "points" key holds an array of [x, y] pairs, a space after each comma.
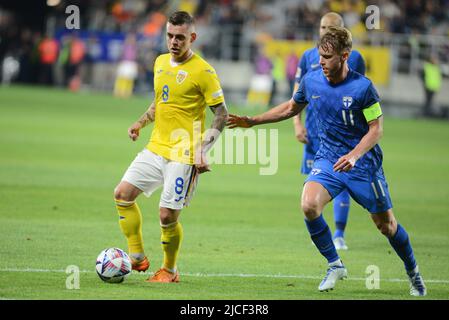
{"points": [[337, 38], [181, 17]]}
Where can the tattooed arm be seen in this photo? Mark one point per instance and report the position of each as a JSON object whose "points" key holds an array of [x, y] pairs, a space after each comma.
{"points": [[145, 119], [221, 115]]}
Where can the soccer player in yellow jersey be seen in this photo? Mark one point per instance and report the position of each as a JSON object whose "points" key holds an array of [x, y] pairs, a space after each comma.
{"points": [[184, 85]]}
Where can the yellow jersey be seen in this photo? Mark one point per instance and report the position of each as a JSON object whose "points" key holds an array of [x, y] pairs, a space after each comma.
{"points": [[181, 94]]}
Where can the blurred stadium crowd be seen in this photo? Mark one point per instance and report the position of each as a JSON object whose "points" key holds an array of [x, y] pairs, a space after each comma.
{"points": [[113, 31]]}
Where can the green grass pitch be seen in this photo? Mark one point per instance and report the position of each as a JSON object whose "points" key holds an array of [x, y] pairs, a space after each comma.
{"points": [[63, 153]]}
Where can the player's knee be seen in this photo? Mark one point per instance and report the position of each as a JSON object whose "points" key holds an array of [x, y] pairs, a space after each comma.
{"points": [[167, 216], [121, 194], [118, 193], [388, 229], [310, 208]]}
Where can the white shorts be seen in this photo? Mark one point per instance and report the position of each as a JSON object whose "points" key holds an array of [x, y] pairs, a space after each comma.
{"points": [[149, 171]]}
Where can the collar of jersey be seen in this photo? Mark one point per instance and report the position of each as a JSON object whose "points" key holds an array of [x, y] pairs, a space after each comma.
{"points": [[340, 83], [176, 64]]}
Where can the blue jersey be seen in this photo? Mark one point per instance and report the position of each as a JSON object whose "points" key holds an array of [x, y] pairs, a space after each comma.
{"points": [[338, 111], [310, 61]]}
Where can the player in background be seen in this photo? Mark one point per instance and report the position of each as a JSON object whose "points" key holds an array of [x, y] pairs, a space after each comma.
{"points": [[350, 125], [184, 84], [308, 133]]}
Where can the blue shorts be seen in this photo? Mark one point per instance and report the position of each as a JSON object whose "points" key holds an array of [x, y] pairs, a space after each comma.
{"points": [[370, 191], [307, 161]]}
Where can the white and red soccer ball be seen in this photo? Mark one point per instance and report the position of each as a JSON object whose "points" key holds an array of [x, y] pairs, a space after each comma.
{"points": [[113, 265]]}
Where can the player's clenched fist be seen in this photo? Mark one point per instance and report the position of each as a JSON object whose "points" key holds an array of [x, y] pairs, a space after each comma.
{"points": [[203, 166], [133, 131], [235, 121]]}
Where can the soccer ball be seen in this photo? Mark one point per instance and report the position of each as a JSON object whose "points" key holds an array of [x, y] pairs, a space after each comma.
{"points": [[113, 265]]}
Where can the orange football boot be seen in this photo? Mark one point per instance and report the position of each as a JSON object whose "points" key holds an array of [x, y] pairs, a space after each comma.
{"points": [[140, 266], [165, 276]]}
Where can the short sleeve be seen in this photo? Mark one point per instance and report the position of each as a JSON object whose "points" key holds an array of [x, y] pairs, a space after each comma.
{"points": [[371, 97], [210, 87], [302, 69], [371, 105], [300, 95]]}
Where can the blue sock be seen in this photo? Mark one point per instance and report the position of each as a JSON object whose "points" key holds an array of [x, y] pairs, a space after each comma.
{"points": [[401, 244], [322, 237], [341, 212]]}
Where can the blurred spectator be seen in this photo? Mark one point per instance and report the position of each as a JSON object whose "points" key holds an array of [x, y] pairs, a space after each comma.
{"points": [[77, 52], [92, 56], [228, 27], [10, 69], [278, 74], [71, 56], [431, 76], [155, 24], [127, 69], [291, 68], [48, 54], [25, 57], [146, 56], [262, 62]]}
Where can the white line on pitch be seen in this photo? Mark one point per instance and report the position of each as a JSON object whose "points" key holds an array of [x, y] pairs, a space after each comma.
{"points": [[235, 275]]}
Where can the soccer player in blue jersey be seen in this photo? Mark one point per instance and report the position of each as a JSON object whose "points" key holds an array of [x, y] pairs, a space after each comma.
{"points": [[350, 125], [308, 133]]}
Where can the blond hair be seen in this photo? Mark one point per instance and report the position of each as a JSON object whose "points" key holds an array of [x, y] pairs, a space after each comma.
{"points": [[338, 39]]}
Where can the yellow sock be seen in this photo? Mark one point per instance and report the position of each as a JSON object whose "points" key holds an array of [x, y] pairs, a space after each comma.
{"points": [[131, 225], [171, 239]]}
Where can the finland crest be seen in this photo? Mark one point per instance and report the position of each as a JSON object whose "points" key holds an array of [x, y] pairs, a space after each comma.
{"points": [[181, 76], [347, 102]]}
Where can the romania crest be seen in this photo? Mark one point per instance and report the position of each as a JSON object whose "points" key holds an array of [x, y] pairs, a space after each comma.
{"points": [[181, 76]]}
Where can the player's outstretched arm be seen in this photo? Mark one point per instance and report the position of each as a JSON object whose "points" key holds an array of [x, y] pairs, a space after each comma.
{"points": [[369, 140], [145, 119], [281, 112], [300, 130], [218, 123]]}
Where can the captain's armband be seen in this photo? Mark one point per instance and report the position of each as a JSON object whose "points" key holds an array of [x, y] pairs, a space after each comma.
{"points": [[373, 112]]}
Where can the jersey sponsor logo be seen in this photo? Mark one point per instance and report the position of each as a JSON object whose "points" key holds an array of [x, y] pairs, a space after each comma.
{"points": [[181, 76], [347, 102], [315, 97], [314, 65]]}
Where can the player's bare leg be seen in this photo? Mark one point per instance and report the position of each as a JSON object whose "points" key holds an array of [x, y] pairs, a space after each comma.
{"points": [[386, 223], [399, 240], [171, 238], [126, 191], [125, 195], [314, 199]]}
